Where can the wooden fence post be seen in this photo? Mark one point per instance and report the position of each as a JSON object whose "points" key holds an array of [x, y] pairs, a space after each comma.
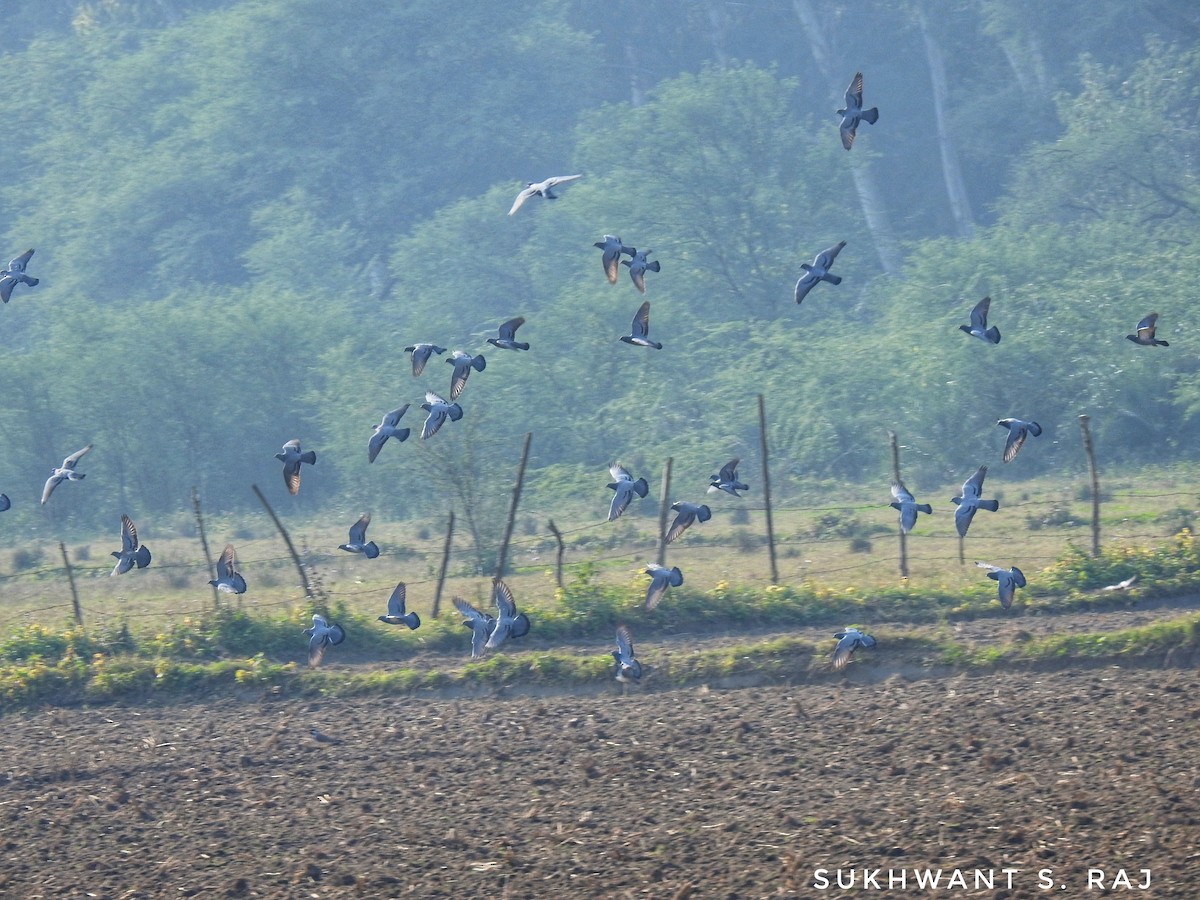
{"points": [[766, 477], [664, 507], [1091, 458], [896, 478], [437, 594], [558, 561], [502, 556], [308, 589], [204, 544], [71, 581]]}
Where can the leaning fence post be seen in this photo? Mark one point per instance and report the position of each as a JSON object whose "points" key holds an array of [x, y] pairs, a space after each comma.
{"points": [[1091, 457], [664, 507], [204, 544], [558, 560], [71, 581], [437, 594], [512, 509], [308, 589], [766, 476], [896, 478]]}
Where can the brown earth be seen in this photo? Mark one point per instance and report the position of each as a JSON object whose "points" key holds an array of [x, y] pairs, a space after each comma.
{"points": [[705, 791]]}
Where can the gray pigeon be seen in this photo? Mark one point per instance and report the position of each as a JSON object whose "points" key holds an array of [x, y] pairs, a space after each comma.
{"points": [[397, 614], [727, 480], [1008, 580], [853, 113], [639, 266], [480, 623], [5, 503], [420, 355], [463, 364], [611, 260], [969, 501], [322, 738], [321, 636], [389, 427], [358, 542], [687, 513], [818, 271], [544, 189], [509, 622], [291, 456], [228, 581], [131, 552], [439, 410], [639, 331], [625, 488], [14, 275], [661, 578], [1145, 333], [65, 472], [908, 506], [979, 326], [628, 668], [508, 336], [1018, 430], [849, 640]]}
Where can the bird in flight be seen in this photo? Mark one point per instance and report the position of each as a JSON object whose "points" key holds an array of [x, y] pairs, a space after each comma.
{"points": [[1145, 333], [628, 668], [979, 326], [639, 331], [1007, 581], [908, 506], [291, 456], [397, 613], [358, 542], [727, 480], [818, 271], [625, 488], [65, 472], [438, 411], [420, 355], [228, 580], [508, 336], [661, 578], [849, 640], [613, 247], [15, 274], [132, 552], [544, 189], [1018, 430], [639, 266], [388, 427], [321, 636], [969, 501], [853, 112]]}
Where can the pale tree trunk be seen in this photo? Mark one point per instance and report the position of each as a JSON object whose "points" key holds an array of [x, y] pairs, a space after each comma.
{"points": [[718, 22], [1019, 42]]}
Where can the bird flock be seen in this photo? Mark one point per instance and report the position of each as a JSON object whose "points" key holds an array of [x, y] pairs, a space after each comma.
{"points": [[489, 629]]}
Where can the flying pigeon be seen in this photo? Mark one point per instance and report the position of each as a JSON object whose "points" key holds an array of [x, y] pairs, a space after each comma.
{"points": [[1018, 430], [463, 364], [849, 640], [611, 260], [727, 480], [818, 271], [228, 580], [969, 501], [65, 472], [509, 622], [358, 542], [480, 623], [1121, 585], [439, 410], [14, 275], [131, 551], [628, 668], [292, 457], [687, 514], [5, 503], [640, 329], [321, 636], [1008, 580], [624, 487], [388, 427], [661, 578], [543, 189], [979, 326], [1145, 333], [396, 614], [420, 355], [638, 266], [322, 738], [854, 113], [908, 506], [508, 336]]}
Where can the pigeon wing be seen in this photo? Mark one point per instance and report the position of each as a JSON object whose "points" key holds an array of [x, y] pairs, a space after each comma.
{"points": [[641, 321], [396, 602], [980, 313], [358, 531], [129, 536]]}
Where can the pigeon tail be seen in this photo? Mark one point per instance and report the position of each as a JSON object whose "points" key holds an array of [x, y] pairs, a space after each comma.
{"points": [[925, 508], [989, 505], [870, 115], [993, 335], [370, 550], [640, 487], [832, 279]]}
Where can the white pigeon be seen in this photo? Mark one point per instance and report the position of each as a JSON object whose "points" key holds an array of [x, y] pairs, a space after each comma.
{"points": [[65, 472], [544, 189]]}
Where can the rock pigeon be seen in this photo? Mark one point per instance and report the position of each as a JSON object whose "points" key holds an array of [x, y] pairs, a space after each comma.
{"points": [[727, 480], [544, 189], [640, 329], [480, 623], [389, 427], [818, 271], [291, 457], [1008, 581], [439, 410], [849, 640], [1018, 430], [228, 580], [979, 326], [969, 501], [625, 488], [687, 513], [628, 668], [611, 260], [509, 622], [14, 275], [639, 266], [908, 506], [358, 542], [5, 503], [131, 551], [508, 336], [463, 364], [321, 636], [396, 614], [853, 113], [420, 355], [65, 472], [322, 738], [661, 578], [1145, 333]]}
